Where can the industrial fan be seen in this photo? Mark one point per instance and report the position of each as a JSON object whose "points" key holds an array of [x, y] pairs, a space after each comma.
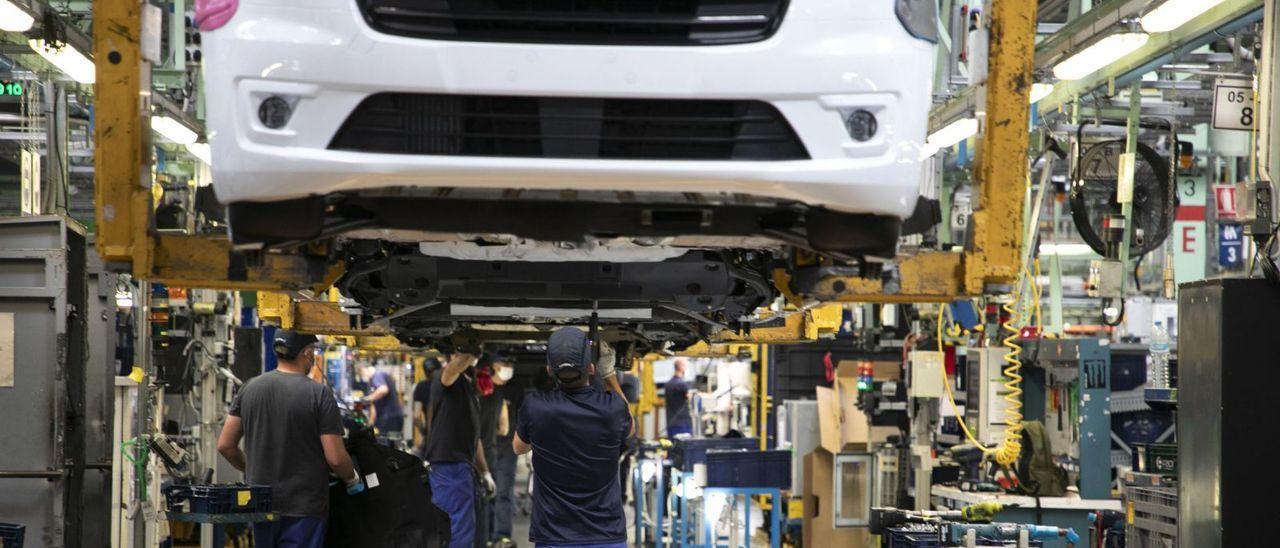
{"points": [[1093, 196]]}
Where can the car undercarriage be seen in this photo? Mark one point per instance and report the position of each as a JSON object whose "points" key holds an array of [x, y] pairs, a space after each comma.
{"points": [[672, 302]]}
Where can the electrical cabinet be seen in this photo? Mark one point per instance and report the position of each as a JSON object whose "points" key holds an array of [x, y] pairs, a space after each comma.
{"points": [[984, 409], [1226, 420], [51, 399]]}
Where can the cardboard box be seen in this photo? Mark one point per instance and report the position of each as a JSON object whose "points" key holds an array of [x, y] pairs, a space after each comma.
{"points": [[818, 525], [842, 426]]}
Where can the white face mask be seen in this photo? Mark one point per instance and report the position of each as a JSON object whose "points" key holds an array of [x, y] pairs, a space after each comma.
{"points": [[506, 373]]}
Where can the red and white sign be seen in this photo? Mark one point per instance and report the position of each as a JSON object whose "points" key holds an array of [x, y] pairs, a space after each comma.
{"points": [[1224, 197]]}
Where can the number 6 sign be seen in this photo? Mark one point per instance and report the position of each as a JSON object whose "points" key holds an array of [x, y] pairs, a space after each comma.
{"points": [[1233, 104]]}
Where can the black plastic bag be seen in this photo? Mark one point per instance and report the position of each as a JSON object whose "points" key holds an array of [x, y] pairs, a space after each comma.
{"points": [[395, 509]]}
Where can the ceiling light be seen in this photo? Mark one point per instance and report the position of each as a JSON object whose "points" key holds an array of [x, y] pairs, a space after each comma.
{"points": [[14, 18], [201, 151], [953, 133], [1040, 91], [1100, 54], [68, 59], [1174, 13], [173, 130]]}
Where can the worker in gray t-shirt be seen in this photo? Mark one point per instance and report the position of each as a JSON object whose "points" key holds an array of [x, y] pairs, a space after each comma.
{"points": [[292, 441]]}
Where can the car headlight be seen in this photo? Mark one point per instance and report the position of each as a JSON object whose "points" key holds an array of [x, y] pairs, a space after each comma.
{"points": [[919, 17]]}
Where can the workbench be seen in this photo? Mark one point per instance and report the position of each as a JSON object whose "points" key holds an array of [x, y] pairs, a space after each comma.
{"points": [[1069, 511]]}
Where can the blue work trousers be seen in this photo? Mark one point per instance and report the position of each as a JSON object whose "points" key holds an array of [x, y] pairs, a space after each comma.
{"points": [[453, 489], [290, 532], [504, 500]]}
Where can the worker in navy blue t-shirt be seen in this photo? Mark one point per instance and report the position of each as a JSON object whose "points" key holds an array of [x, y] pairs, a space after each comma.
{"points": [[676, 396], [577, 434]]}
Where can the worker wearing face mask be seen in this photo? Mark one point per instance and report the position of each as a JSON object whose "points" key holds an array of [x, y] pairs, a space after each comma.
{"points": [[292, 441], [493, 423], [504, 459], [453, 447]]}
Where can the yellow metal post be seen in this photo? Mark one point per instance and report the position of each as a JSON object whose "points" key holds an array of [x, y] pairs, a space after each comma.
{"points": [[1001, 163], [122, 100], [763, 421], [648, 392]]}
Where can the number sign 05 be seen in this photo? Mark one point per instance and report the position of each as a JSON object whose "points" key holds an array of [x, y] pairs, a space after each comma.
{"points": [[1233, 104]]}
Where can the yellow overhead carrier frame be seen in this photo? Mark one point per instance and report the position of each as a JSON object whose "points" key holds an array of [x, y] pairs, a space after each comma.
{"points": [[126, 238], [128, 242]]}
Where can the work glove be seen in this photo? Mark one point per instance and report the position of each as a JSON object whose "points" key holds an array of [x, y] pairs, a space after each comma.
{"points": [[487, 486], [354, 485], [608, 361]]}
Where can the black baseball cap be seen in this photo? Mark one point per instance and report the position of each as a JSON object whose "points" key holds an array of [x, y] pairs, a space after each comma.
{"points": [[486, 360], [569, 353], [287, 343]]}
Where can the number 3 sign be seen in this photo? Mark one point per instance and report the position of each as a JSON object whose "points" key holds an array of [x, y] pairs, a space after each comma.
{"points": [[1233, 104]]}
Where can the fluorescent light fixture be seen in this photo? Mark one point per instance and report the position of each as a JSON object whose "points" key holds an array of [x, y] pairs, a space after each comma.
{"points": [[1066, 250], [68, 59], [952, 133], [1040, 91], [14, 18], [1174, 13], [201, 151], [173, 130], [1100, 54]]}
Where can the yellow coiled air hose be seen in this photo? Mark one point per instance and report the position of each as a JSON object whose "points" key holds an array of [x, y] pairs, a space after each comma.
{"points": [[1010, 448]]}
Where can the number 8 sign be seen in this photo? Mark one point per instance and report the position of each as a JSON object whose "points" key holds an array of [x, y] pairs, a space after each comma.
{"points": [[1233, 104]]}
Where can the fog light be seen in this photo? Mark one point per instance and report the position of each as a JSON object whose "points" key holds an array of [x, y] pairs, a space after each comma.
{"points": [[274, 112], [861, 125]]}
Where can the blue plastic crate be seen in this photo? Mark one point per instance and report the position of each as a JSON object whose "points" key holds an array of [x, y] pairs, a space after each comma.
{"points": [[690, 451], [218, 499], [749, 468], [11, 535]]}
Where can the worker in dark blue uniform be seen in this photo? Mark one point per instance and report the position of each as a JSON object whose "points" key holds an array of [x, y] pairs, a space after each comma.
{"points": [[388, 413], [676, 396], [576, 434]]}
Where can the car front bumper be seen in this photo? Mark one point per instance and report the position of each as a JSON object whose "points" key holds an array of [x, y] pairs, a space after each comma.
{"points": [[827, 59]]}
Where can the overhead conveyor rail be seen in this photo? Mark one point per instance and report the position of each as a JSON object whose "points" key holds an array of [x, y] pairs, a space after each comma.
{"points": [[1219, 21], [1103, 19]]}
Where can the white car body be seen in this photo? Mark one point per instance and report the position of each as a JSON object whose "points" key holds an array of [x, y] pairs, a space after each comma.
{"points": [[827, 58]]}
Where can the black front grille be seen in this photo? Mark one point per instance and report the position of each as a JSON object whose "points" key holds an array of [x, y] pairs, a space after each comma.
{"points": [[621, 22], [543, 127]]}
